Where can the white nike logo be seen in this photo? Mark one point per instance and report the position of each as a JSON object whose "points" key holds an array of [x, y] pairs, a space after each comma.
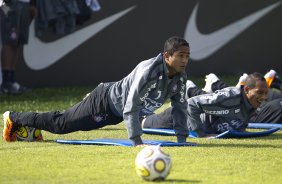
{"points": [[202, 46], [39, 55]]}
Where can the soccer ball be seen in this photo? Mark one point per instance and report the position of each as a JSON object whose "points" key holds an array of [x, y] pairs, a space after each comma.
{"points": [[28, 134], [152, 163]]}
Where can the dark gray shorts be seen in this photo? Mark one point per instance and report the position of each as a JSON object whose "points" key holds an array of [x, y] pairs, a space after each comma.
{"points": [[15, 20]]}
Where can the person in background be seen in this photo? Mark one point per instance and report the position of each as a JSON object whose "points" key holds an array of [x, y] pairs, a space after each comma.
{"points": [[16, 16], [270, 111]]}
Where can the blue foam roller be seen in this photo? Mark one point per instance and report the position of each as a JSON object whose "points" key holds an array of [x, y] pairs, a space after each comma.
{"points": [[122, 142], [226, 134], [264, 125]]}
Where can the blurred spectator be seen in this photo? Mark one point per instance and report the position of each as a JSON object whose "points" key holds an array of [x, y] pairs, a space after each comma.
{"points": [[84, 12], [63, 15], [59, 14], [16, 16], [94, 5], [86, 7]]}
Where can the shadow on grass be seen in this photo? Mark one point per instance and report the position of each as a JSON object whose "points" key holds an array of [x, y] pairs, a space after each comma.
{"points": [[259, 146], [107, 128], [241, 145], [180, 181], [270, 137]]}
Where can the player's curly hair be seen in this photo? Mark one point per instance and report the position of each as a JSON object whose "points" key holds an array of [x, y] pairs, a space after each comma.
{"points": [[173, 43]]}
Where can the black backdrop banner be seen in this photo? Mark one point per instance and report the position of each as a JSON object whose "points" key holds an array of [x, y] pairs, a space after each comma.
{"points": [[226, 37]]}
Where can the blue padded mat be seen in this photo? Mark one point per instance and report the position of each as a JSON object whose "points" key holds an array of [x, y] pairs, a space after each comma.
{"points": [[227, 134], [264, 125], [122, 142]]}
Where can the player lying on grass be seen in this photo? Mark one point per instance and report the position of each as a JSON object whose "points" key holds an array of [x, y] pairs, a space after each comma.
{"points": [[213, 113], [141, 92], [270, 111]]}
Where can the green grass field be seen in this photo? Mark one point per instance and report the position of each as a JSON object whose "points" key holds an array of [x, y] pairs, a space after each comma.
{"points": [[257, 160]]}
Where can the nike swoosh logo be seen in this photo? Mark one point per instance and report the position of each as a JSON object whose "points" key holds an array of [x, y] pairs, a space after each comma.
{"points": [[204, 45], [39, 55]]}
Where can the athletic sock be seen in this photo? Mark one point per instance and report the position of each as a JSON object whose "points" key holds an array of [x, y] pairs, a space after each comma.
{"points": [[8, 76]]}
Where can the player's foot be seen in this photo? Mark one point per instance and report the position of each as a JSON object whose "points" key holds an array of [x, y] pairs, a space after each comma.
{"points": [[242, 80], [9, 130], [190, 84], [273, 80], [13, 88], [269, 77], [210, 79], [28, 134]]}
